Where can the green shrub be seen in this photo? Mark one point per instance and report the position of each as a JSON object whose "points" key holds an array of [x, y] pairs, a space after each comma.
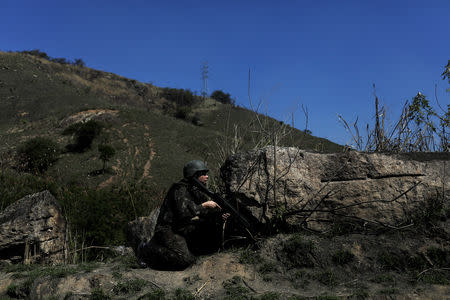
{"points": [[17, 291], [38, 154], [98, 294], [342, 257], [129, 286], [14, 186], [157, 294], [401, 261], [182, 112], [249, 257], [222, 97], [183, 294], [438, 256], [435, 276], [327, 278], [36, 52], [100, 215], [84, 134], [235, 290], [297, 252], [180, 97]]}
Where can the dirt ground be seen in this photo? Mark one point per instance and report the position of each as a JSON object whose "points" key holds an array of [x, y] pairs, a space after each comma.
{"points": [[392, 265]]}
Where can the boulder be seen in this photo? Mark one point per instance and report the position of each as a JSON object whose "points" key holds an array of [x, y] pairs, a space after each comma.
{"points": [[33, 230], [318, 191], [141, 229]]}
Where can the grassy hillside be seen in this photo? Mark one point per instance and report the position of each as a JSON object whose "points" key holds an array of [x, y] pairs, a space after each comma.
{"points": [[40, 98]]}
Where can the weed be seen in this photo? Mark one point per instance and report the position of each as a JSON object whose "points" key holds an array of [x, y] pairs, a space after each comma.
{"points": [[385, 278], [234, 289], [439, 256], [327, 297], [298, 251], [300, 279], [270, 296], [266, 268], [129, 286], [157, 294], [327, 278], [360, 294], [435, 276], [388, 291], [400, 261], [182, 294], [117, 275], [249, 257], [17, 291], [98, 294], [342, 257]]}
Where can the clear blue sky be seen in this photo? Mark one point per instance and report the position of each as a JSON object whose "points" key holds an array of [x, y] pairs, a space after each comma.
{"points": [[324, 55]]}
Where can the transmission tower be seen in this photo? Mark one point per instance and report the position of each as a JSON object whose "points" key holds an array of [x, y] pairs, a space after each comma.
{"points": [[204, 70]]}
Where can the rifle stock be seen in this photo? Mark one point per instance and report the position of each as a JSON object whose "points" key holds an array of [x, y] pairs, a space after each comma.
{"points": [[223, 203]]}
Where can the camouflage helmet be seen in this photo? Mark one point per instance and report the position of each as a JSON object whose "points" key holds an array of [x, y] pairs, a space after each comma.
{"points": [[193, 167]]}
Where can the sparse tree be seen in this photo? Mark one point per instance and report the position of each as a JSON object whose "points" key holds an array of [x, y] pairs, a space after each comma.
{"points": [[222, 97], [106, 153], [79, 62]]}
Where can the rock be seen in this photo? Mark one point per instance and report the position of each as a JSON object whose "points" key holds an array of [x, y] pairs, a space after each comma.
{"points": [[33, 230], [141, 229], [319, 190]]}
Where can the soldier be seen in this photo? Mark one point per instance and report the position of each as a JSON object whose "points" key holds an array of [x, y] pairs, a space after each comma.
{"points": [[188, 224]]}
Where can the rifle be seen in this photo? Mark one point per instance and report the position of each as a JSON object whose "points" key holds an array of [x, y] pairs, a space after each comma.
{"points": [[223, 203]]}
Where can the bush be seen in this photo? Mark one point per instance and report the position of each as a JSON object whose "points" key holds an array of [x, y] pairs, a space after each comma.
{"points": [[38, 154], [182, 112], [84, 134], [79, 62], [36, 52], [222, 97], [180, 97], [342, 257], [101, 215], [297, 252]]}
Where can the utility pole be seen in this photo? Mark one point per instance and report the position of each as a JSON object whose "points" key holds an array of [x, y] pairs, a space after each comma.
{"points": [[204, 70]]}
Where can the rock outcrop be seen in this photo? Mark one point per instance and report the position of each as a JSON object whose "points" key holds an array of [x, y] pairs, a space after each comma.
{"points": [[321, 190], [141, 229], [33, 229]]}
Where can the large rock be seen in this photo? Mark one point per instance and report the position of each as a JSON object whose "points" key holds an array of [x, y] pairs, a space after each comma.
{"points": [[33, 229], [318, 190], [141, 229]]}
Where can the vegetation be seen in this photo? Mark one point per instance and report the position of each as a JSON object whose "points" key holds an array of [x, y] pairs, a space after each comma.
{"points": [[38, 154], [84, 134], [106, 153], [140, 137], [419, 128], [38, 53], [222, 97]]}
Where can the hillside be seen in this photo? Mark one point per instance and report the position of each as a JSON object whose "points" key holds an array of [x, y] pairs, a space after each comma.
{"points": [[153, 130]]}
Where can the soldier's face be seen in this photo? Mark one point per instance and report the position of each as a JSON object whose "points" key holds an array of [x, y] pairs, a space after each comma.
{"points": [[203, 178]]}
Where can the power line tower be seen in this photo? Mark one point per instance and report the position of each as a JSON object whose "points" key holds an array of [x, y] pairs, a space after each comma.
{"points": [[204, 70]]}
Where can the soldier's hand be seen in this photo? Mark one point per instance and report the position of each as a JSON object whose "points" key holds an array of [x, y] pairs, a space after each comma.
{"points": [[211, 204], [225, 216]]}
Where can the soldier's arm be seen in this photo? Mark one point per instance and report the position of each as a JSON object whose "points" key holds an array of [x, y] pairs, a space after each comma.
{"points": [[185, 208]]}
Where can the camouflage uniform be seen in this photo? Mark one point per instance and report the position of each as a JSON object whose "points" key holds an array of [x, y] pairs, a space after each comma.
{"points": [[184, 229]]}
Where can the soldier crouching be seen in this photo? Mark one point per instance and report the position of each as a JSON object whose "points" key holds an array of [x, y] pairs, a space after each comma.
{"points": [[188, 224]]}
